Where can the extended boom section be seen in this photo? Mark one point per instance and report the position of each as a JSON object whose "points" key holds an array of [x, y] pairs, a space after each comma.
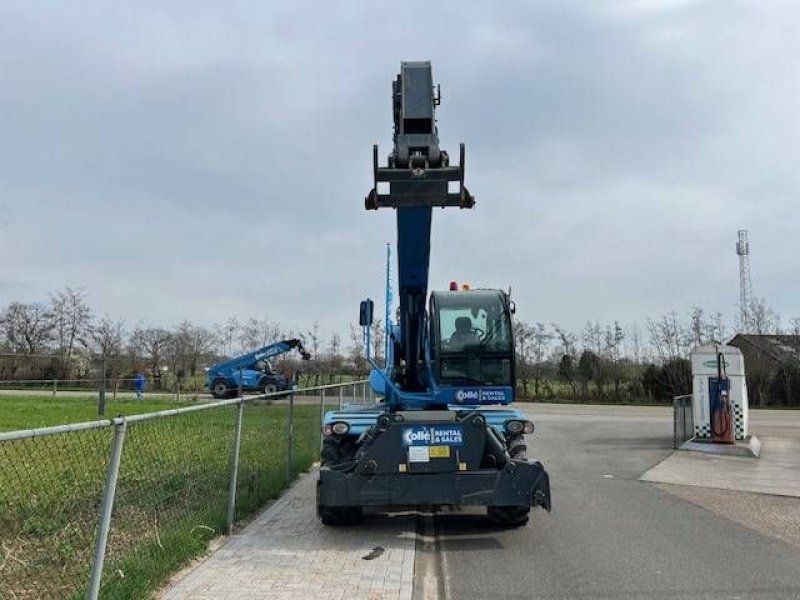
{"points": [[433, 440]]}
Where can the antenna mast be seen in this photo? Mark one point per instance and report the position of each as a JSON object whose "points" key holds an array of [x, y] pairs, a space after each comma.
{"points": [[745, 285]]}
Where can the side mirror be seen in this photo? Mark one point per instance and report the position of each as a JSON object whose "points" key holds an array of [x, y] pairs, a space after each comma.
{"points": [[512, 307], [365, 313]]}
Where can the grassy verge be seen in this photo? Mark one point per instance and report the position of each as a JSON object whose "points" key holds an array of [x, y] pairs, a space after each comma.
{"points": [[171, 497], [27, 412]]}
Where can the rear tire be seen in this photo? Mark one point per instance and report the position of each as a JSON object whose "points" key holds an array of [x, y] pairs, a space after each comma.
{"points": [[269, 387], [220, 389], [509, 516]]}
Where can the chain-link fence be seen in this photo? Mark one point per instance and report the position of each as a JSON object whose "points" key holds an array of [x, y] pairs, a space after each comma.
{"points": [[111, 508], [166, 384], [683, 420]]}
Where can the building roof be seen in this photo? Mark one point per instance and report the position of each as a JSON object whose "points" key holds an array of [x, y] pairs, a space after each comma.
{"points": [[781, 348]]}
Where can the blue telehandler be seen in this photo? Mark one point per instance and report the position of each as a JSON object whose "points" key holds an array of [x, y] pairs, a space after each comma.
{"points": [[252, 371], [442, 435]]}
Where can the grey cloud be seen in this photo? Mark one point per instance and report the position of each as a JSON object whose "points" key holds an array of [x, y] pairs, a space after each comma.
{"points": [[187, 162]]}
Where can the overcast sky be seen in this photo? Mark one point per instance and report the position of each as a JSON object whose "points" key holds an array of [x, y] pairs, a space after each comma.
{"points": [[205, 160]]}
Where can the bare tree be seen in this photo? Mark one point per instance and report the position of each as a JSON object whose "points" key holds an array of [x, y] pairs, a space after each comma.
{"points": [[717, 331], [567, 339], [540, 339], [567, 364], [107, 337], [70, 317], [763, 319], [255, 333], [705, 329], [523, 351], [26, 327], [795, 326], [312, 340], [672, 345], [190, 344], [153, 344], [378, 335], [593, 337], [335, 358], [613, 350], [697, 325], [226, 335], [668, 339], [634, 345], [335, 344], [356, 350]]}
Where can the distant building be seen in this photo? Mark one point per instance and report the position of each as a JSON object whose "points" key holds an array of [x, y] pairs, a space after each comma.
{"points": [[772, 364]]}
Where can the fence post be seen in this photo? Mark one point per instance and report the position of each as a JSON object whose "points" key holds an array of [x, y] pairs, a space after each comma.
{"points": [[341, 396], [364, 392], [321, 415], [237, 440], [675, 423], [101, 404], [55, 387], [105, 513], [290, 440]]}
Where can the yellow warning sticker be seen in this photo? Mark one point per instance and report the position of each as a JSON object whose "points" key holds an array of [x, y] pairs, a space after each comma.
{"points": [[440, 451]]}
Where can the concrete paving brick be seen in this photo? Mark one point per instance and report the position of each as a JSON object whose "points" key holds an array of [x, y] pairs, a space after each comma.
{"points": [[286, 553]]}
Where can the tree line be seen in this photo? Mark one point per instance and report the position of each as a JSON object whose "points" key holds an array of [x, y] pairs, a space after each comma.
{"points": [[64, 338], [634, 363]]}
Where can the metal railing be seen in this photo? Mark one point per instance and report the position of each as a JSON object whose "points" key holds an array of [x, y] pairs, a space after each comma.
{"points": [[110, 508], [683, 420]]}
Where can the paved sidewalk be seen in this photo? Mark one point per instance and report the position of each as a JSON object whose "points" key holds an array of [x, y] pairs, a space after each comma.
{"points": [[286, 553], [776, 472]]}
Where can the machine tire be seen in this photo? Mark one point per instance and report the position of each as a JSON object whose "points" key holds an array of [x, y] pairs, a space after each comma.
{"points": [[337, 451], [509, 516], [268, 387], [329, 455], [221, 389], [516, 447], [337, 516]]}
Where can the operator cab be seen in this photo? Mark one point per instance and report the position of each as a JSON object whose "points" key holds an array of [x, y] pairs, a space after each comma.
{"points": [[264, 366], [471, 338]]}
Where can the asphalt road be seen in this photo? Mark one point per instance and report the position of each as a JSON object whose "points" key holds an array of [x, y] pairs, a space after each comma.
{"points": [[611, 535]]}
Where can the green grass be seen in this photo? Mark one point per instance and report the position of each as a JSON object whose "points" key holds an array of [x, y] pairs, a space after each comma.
{"points": [[171, 496], [29, 411]]}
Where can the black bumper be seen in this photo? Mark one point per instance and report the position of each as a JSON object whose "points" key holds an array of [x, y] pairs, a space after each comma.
{"points": [[519, 483]]}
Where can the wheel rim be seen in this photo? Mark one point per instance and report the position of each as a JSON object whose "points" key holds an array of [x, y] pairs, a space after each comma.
{"points": [[220, 389]]}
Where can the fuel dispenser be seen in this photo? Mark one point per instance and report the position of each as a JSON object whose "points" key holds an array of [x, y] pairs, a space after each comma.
{"points": [[719, 389], [721, 410]]}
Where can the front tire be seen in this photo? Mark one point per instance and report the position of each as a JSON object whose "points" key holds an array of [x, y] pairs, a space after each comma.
{"points": [[512, 516], [509, 516], [336, 451], [517, 449], [338, 516]]}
